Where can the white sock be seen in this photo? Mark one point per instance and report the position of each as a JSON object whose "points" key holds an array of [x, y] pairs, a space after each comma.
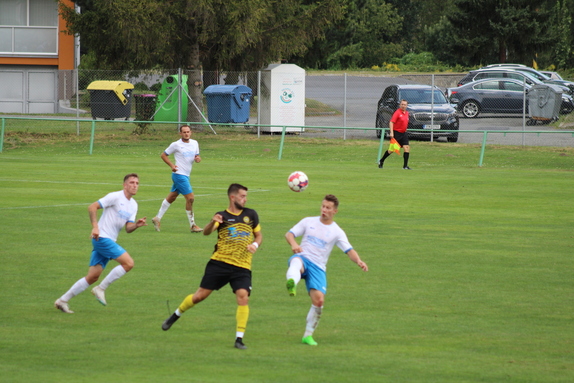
{"points": [[115, 274], [76, 288], [312, 320], [190, 217], [239, 334], [294, 270], [164, 206]]}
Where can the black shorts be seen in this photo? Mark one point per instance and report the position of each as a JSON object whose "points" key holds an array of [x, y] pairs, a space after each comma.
{"points": [[402, 138], [218, 274]]}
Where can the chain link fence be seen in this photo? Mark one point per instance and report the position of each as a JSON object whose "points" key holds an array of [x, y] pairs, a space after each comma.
{"points": [[341, 106]]}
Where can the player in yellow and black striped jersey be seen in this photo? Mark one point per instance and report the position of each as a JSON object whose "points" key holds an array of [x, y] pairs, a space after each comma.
{"points": [[239, 237], [235, 233]]}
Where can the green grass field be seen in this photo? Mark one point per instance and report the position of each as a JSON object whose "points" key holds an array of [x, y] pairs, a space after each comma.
{"points": [[470, 268]]}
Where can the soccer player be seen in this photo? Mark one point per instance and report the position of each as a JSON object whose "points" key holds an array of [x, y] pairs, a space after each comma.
{"points": [[398, 130], [186, 152], [319, 234], [238, 238], [120, 210]]}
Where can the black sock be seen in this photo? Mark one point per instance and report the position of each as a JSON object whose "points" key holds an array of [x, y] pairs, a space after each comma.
{"points": [[384, 157], [406, 158]]}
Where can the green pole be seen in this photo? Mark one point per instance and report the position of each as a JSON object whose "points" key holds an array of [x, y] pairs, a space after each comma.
{"points": [[2, 135], [282, 142], [483, 147], [381, 145], [92, 137]]}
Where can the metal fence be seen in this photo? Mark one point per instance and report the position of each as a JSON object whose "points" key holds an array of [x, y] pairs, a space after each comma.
{"points": [[336, 106]]}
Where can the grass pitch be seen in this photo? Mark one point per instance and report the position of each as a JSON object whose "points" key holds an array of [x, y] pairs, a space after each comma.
{"points": [[470, 268]]}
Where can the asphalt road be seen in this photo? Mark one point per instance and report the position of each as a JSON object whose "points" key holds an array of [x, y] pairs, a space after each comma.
{"points": [[363, 92]]}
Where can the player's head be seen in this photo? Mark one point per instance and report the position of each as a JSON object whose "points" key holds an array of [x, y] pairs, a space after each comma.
{"points": [[131, 184], [329, 208], [403, 105], [185, 132], [237, 195]]}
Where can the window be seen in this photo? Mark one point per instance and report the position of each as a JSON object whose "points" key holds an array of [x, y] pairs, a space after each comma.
{"points": [[488, 85], [28, 27]]}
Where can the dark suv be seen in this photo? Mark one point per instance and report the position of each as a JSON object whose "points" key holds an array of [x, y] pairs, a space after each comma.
{"points": [[429, 111]]}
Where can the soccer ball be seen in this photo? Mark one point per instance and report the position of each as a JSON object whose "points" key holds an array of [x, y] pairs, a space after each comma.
{"points": [[298, 181]]}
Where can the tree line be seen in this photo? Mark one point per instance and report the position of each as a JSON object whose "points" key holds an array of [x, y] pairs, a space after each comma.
{"points": [[246, 35]]}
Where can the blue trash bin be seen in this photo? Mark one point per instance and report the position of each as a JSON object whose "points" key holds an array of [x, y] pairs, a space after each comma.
{"points": [[228, 103]]}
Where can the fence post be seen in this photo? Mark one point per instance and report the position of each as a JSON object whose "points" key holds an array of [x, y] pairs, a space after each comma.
{"points": [[282, 141], [2, 135], [482, 149], [92, 136], [381, 145]]}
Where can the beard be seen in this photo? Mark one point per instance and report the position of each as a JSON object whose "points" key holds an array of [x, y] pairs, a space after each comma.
{"points": [[237, 205]]}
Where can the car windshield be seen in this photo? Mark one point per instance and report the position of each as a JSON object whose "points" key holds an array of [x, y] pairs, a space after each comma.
{"points": [[422, 96]]}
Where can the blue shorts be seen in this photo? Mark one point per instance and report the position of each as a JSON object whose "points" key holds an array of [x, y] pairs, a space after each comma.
{"points": [[181, 184], [314, 276], [104, 250]]}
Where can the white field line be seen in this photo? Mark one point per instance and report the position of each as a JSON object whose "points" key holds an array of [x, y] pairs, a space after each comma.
{"points": [[104, 183]]}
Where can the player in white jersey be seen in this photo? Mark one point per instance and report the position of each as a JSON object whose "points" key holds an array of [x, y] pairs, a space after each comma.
{"points": [[186, 152], [120, 210], [320, 234]]}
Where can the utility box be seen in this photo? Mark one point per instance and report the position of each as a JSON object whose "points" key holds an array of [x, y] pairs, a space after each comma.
{"points": [[168, 99], [228, 103], [544, 102], [110, 99], [282, 98]]}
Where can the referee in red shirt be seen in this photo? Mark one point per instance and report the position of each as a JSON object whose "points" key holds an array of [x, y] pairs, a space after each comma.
{"points": [[398, 131]]}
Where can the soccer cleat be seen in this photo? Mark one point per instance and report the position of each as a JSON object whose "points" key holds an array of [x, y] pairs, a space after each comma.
{"points": [[166, 325], [407, 168], [380, 164], [156, 223], [309, 340], [291, 287], [239, 344], [100, 295], [63, 306], [196, 229]]}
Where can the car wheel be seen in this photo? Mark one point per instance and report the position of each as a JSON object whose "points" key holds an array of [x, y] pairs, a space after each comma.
{"points": [[452, 138], [470, 109]]}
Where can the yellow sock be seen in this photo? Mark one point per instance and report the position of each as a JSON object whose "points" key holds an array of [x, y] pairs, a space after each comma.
{"points": [[186, 304], [242, 316]]}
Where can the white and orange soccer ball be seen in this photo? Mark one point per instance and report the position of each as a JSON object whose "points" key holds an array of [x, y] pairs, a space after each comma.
{"points": [[298, 181]]}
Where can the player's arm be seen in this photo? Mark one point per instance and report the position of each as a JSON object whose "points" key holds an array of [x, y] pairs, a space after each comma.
{"points": [[132, 226], [197, 158], [166, 159], [93, 213], [290, 237], [391, 127], [354, 256], [252, 248], [213, 224]]}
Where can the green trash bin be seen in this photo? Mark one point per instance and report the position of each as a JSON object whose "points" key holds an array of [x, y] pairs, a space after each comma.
{"points": [[168, 99]]}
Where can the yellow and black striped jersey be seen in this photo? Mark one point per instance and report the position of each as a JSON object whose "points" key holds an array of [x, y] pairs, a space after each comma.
{"points": [[234, 234]]}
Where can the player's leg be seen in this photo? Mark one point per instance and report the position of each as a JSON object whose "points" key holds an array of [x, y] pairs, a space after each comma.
{"points": [[191, 300], [406, 156], [294, 272], [82, 284], [126, 263], [313, 316], [382, 160], [241, 316], [165, 204], [189, 200]]}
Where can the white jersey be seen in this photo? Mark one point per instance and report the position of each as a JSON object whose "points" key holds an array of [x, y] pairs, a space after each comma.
{"points": [[117, 211], [319, 239], [184, 153]]}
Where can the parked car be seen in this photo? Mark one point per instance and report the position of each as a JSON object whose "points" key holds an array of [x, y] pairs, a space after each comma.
{"points": [[543, 77], [552, 75], [496, 96], [429, 111]]}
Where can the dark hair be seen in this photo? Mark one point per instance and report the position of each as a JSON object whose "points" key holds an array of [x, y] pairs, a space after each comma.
{"points": [[184, 126], [234, 188], [332, 198], [404, 100], [130, 176]]}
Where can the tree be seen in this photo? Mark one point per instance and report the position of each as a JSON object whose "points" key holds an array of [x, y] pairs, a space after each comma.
{"points": [[494, 30]]}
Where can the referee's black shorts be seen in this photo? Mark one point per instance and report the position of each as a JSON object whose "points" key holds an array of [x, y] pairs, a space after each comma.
{"points": [[218, 274], [402, 138]]}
